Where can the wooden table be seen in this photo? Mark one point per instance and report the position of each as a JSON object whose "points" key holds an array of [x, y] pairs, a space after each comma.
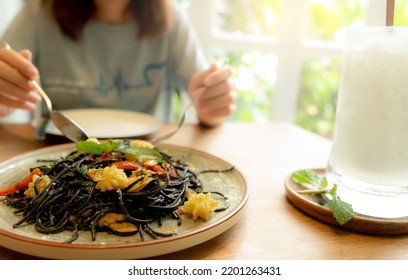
{"points": [[271, 228]]}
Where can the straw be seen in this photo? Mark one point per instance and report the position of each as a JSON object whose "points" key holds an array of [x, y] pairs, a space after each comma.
{"points": [[389, 20]]}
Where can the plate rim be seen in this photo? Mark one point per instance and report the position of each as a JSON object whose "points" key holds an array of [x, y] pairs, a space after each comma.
{"points": [[233, 216]]}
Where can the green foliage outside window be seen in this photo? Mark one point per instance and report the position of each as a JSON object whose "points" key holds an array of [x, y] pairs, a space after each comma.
{"points": [[401, 13], [254, 76], [326, 18], [255, 72], [318, 95], [260, 17], [320, 75]]}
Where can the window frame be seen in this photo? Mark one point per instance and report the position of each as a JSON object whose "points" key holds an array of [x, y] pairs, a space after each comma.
{"points": [[291, 48]]}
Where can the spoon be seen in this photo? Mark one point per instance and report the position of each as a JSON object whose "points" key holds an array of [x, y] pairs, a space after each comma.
{"points": [[66, 125]]}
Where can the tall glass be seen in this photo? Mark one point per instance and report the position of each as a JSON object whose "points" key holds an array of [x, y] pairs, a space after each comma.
{"points": [[369, 156]]}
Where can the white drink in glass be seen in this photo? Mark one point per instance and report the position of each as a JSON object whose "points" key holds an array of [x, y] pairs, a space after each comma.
{"points": [[369, 156]]}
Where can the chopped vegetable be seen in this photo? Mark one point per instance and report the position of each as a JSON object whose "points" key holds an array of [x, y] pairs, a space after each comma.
{"points": [[21, 184], [126, 164]]}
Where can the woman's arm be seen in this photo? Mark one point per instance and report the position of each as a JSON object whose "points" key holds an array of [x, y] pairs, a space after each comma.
{"points": [[218, 101]]}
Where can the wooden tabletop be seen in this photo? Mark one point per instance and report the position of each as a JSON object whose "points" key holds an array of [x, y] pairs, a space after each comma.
{"points": [[271, 228]]}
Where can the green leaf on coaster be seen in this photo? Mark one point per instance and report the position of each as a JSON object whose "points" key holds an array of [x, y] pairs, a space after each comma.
{"points": [[342, 211], [318, 185]]}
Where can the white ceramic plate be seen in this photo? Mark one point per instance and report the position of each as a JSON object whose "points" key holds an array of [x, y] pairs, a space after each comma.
{"points": [[26, 240], [110, 123]]}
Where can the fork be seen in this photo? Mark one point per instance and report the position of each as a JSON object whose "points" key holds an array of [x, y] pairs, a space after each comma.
{"points": [[183, 117], [181, 122]]}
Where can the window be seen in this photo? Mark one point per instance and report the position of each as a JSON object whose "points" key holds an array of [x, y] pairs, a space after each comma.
{"points": [[285, 54], [9, 8]]}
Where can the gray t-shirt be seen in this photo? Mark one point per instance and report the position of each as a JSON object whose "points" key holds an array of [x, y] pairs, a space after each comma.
{"points": [[110, 67]]}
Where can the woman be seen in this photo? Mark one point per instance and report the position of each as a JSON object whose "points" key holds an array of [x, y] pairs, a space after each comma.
{"points": [[127, 54]]}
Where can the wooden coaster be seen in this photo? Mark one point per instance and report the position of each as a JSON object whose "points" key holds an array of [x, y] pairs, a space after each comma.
{"points": [[312, 205]]}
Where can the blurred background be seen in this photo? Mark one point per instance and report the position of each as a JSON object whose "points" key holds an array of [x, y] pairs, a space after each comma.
{"points": [[285, 54]]}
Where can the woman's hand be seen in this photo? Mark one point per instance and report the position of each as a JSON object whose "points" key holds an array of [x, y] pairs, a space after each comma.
{"points": [[16, 90], [219, 100]]}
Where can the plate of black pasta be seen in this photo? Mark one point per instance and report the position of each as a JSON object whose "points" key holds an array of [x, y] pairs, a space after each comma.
{"points": [[116, 199]]}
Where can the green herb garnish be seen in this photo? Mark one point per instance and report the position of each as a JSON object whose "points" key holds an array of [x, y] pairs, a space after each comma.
{"points": [[94, 148], [142, 152], [310, 179], [317, 184]]}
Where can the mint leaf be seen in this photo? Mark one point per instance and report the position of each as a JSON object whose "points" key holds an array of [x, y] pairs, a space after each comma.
{"points": [[94, 148], [142, 152], [309, 178], [342, 211]]}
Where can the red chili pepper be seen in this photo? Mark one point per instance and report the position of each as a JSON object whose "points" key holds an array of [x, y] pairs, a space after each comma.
{"points": [[171, 170], [104, 156], [21, 184], [156, 169], [126, 164]]}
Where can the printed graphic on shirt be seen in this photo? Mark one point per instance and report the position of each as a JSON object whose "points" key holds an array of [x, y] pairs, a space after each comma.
{"points": [[118, 84], [138, 92]]}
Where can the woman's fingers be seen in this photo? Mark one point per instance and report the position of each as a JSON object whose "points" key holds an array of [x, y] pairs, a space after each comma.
{"points": [[10, 77], [26, 54], [212, 101], [216, 98], [15, 85], [215, 104], [219, 76], [12, 102], [20, 62], [16, 73]]}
